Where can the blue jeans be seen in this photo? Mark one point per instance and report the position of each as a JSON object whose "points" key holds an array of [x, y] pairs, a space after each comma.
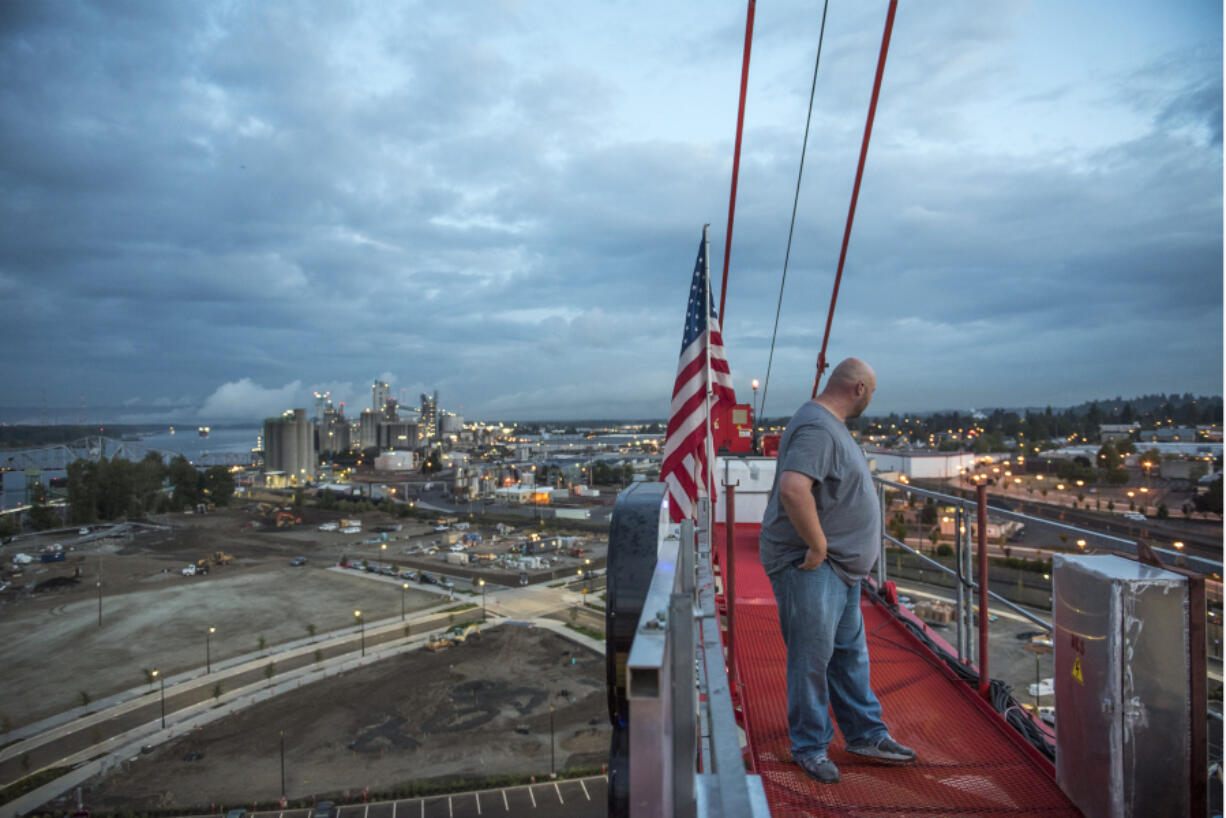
{"points": [[827, 660]]}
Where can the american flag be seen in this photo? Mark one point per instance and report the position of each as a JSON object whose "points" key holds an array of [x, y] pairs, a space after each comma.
{"points": [[701, 372]]}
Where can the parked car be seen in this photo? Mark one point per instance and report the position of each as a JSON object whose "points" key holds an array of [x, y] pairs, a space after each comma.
{"points": [[427, 579], [296, 561], [324, 809], [408, 575], [236, 813]]}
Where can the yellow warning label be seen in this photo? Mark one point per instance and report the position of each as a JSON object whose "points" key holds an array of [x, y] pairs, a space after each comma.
{"points": [[1077, 670]]}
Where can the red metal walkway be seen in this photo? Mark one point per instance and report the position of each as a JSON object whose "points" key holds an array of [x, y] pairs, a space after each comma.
{"points": [[970, 761]]}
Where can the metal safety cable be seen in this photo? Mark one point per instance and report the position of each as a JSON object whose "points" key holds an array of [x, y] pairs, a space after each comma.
{"points": [[795, 201], [855, 191], [736, 157]]}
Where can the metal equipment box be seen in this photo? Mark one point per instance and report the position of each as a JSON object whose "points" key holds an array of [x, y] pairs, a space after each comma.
{"points": [[1123, 743]]}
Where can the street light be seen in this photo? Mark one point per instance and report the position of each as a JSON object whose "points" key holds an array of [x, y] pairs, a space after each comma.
{"points": [[1037, 650], [404, 586], [481, 582], [362, 623], [162, 681], [208, 659], [552, 766]]}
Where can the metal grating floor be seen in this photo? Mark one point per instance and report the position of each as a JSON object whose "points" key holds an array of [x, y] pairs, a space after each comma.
{"points": [[970, 761]]}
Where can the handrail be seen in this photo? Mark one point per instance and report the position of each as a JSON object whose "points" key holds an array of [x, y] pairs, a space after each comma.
{"points": [[1128, 546], [676, 677], [1043, 623]]}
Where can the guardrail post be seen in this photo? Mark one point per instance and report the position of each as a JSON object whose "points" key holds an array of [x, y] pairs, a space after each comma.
{"points": [[730, 580], [960, 586], [881, 560], [984, 678], [967, 558]]}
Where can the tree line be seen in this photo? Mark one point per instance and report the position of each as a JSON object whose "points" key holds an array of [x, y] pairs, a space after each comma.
{"points": [[112, 489]]}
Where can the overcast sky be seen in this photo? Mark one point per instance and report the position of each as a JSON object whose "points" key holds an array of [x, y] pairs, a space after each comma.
{"points": [[225, 206]]}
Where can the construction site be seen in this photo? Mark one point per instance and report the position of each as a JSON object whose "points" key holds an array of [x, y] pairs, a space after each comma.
{"points": [[469, 711], [187, 594]]}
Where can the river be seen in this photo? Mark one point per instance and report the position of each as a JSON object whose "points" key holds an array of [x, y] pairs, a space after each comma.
{"points": [[185, 440]]}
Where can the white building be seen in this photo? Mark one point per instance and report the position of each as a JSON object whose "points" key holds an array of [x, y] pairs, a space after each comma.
{"points": [[932, 465], [397, 461]]}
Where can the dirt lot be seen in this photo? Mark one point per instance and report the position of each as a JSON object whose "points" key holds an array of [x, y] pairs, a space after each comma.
{"points": [[155, 618], [474, 710]]}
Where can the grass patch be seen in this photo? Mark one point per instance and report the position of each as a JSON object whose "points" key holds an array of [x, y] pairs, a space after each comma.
{"points": [[30, 783], [591, 633], [467, 606]]}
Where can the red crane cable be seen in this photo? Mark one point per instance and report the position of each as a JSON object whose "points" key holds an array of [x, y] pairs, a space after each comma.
{"points": [[736, 158], [855, 191]]}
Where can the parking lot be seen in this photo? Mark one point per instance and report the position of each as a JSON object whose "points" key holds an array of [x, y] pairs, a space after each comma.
{"points": [[580, 798]]}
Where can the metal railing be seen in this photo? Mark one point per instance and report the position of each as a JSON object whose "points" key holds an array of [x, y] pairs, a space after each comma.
{"points": [[678, 689], [967, 587], [680, 695]]}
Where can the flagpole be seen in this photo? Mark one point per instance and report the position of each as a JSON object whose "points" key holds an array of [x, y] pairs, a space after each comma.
{"points": [[709, 475]]}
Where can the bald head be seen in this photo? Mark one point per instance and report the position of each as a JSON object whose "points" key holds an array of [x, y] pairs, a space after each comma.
{"points": [[849, 389]]}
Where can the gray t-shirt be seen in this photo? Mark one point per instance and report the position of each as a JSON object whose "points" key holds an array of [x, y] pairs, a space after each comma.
{"points": [[817, 444]]}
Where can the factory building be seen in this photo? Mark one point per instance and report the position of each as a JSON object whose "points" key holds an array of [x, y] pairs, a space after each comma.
{"points": [[429, 415], [380, 393], [399, 436], [450, 423], [368, 429], [333, 431], [289, 446]]}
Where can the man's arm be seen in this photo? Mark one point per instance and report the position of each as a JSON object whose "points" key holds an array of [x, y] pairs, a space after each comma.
{"points": [[796, 495]]}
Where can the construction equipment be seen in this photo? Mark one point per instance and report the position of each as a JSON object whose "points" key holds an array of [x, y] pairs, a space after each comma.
{"points": [[439, 641], [222, 558], [287, 520], [463, 632], [202, 566]]}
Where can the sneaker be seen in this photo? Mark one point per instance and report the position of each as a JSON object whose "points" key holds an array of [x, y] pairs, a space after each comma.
{"points": [[886, 749], [820, 768]]}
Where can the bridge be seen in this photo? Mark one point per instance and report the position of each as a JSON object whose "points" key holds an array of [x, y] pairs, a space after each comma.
{"points": [[94, 448]]}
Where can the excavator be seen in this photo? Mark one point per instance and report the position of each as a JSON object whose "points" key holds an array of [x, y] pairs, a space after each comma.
{"points": [[287, 520], [463, 633]]}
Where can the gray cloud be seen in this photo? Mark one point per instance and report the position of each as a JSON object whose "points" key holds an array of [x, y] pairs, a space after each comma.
{"points": [[239, 203]]}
